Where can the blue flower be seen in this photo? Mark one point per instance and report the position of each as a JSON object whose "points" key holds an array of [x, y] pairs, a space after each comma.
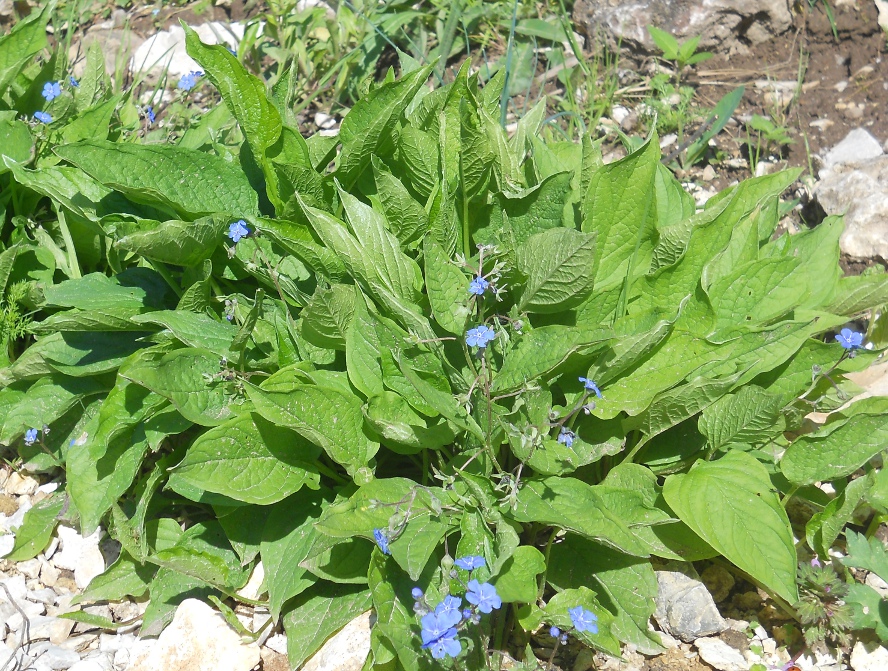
{"points": [[480, 336], [188, 82], [52, 90], [484, 596], [149, 112], [850, 339], [238, 230], [448, 611], [30, 436], [416, 593], [43, 117], [583, 620], [382, 541], [554, 632], [478, 286], [470, 563], [439, 636], [591, 386], [74, 82], [566, 437], [233, 52]]}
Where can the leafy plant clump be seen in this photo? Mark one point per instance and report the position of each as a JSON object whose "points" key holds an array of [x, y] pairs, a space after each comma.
{"points": [[422, 364]]}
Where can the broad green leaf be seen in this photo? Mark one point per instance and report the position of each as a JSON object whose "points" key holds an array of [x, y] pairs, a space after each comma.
{"points": [[96, 292], [27, 37], [92, 123], [556, 613], [78, 354], [866, 553], [620, 209], [32, 537], [190, 183], [203, 552], [193, 329], [326, 317], [308, 409], [824, 527], [103, 463], [730, 503], [405, 214], [402, 430], [16, 140], [418, 155], [318, 613], [125, 577], [625, 585], [345, 562], [575, 506], [516, 581], [190, 379], [840, 447], [182, 243], [447, 288], [559, 265], [369, 126], [537, 210], [168, 589], [103, 319], [748, 416], [287, 539], [249, 459], [542, 350], [298, 240], [398, 272], [857, 293], [419, 539], [869, 610]]}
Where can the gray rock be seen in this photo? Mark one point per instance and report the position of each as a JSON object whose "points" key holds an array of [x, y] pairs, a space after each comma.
{"points": [[117, 44], [858, 145], [6, 9], [725, 25], [860, 192], [685, 608], [166, 48], [81, 555], [45, 596], [720, 655], [53, 657], [869, 657], [30, 568], [346, 650]]}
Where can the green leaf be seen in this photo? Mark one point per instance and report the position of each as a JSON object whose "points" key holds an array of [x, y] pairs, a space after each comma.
{"points": [[189, 378], [308, 409], [626, 585], [193, 329], [419, 539], [748, 416], [824, 527], [560, 266], [345, 562], [542, 350], [556, 613], [27, 37], [538, 209], [731, 504], [99, 292], [249, 459], [182, 243], [866, 554], [125, 577], [326, 317], [869, 609], [405, 215], [168, 589], [16, 140], [93, 621], [39, 523], [287, 538], [573, 505], [857, 293], [190, 183], [840, 447], [516, 581], [447, 288], [665, 41], [203, 552], [619, 209], [402, 430], [369, 126], [319, 613]]}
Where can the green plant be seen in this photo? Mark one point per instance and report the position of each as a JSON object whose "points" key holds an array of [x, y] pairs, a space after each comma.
{"points": [[765, 137], [421, 362], [822, 609]]}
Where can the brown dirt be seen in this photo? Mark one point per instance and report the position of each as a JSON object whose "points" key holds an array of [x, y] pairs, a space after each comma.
{"points": [[858, 58], [8, 505]]}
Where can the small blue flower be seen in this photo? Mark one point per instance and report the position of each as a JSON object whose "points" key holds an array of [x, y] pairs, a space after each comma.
{"points": [[566, 437], [43, 117], [850, 339], [478, 286], [74, 82], [591, 386], [233, 52], [416, 593], [238, 230], [439, 637], [52, 90], [470, 563], [583, 620], [480, 336], [382, 541], [188, 82], [149, 112], [554, 632], [449, 610], [30, 436], [483, 595]]}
